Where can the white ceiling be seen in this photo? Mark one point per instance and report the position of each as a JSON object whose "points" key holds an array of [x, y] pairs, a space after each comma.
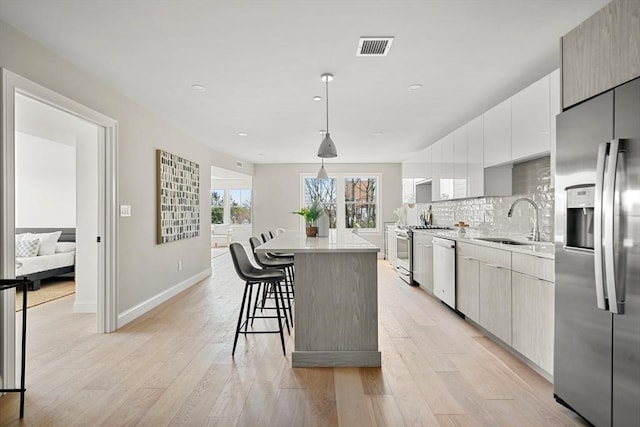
{"points": [[261, 62]]}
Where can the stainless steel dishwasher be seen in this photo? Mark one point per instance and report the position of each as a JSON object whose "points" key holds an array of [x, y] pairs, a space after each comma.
{"points": [[444, 270]]}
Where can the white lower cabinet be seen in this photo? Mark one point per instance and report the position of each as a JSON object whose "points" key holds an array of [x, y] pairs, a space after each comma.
{"points": [[511, 295], [427, 259], [423, 260], [533, 300], [532, 317], [468, 287], [392, 246], [495, 300]]}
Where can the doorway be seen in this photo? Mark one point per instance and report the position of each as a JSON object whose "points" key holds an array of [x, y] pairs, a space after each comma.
{"points": [[104, 238], [56, 191]]}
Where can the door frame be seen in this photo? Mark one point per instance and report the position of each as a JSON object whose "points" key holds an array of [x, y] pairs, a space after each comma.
{"points": [[107, 314]]}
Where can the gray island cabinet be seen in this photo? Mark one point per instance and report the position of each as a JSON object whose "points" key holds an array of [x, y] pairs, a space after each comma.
{"points": [[336, 298]]}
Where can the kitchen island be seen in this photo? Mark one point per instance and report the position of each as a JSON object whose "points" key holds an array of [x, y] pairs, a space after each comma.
{"points": [[336, 298]]}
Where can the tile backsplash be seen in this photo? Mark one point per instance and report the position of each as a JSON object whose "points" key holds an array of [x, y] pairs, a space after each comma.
{"points": [[487, 214]]}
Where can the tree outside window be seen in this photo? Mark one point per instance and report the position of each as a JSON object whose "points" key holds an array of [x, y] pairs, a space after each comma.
{"points": [[240, 206], [325, 191], [360, 200], [217, 206]]}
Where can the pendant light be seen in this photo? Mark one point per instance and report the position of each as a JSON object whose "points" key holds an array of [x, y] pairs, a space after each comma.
{"points": [[327, 147], [322, 173]]}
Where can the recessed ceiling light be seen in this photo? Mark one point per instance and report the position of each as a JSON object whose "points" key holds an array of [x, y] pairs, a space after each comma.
{"points": [[378, 134], [416, 86], [322, 131], [199, 88], [243, 134], [317, 98]]}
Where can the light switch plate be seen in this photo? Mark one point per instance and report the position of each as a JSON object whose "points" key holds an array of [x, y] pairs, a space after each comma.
{"points": [[125, 210]]}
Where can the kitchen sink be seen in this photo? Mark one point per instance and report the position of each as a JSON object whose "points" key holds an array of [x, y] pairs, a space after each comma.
{"points": [[504, 241]]}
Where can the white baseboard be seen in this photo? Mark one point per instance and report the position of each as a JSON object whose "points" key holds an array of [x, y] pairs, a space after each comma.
{"points": [[153, 302], [85, 307]]}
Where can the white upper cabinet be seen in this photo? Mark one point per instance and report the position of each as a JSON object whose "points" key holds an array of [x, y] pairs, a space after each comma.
{"points": [[446, 169], [530, 126], [497, 134], [436, 167], [554, 109], [428, 168], [520, 128], [460, 162], [475, 157]]}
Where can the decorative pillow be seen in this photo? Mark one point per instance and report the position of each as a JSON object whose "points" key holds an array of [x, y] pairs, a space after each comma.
{"points": [[27, 248], [65, 247], [20, 236], [47, 242]]}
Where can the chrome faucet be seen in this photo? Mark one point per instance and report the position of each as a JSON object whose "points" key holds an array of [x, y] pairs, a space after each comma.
{"points": [[536, 232]]}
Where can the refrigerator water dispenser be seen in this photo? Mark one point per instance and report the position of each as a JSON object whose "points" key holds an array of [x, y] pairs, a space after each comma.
{"points": [[580, 201]]}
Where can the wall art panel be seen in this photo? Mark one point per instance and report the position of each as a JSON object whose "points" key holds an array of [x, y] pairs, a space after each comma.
{"points": [[178, 183]]}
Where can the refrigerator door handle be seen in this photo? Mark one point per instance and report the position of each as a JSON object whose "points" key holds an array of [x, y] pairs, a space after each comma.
{"points": [[597, 226], [610, 214]]}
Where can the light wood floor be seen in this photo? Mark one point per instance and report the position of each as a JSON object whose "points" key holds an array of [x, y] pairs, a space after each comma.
{"points": [[173, 366]]}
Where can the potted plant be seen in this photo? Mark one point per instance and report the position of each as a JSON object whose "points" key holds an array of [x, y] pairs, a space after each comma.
{"points": [[310, 215]]}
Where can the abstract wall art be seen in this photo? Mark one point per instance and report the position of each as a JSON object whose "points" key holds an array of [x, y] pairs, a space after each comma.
{"points": [[178, 184]]}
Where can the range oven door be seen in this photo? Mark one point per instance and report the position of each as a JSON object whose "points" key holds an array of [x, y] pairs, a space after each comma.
{"points": [[403, 242]]}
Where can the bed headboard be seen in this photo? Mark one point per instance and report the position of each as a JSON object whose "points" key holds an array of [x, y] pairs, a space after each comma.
{"points": [[68, 234]]}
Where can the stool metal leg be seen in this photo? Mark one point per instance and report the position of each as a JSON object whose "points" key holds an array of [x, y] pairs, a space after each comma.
{"points": [[244, 298], [278, 290]]}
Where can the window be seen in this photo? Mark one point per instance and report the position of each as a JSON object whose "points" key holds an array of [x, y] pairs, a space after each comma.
{"points": [[240, 206], [217, 206], [359, 196], [323, 190], [231, 206], [360, 201]]}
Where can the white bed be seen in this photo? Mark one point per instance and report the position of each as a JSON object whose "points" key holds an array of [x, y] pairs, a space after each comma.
{"points": [[35, 264], [58, 260]]}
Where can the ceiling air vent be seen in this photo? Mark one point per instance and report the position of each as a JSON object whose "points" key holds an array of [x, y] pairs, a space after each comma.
{"points": [[239, 164], [374, 46]]}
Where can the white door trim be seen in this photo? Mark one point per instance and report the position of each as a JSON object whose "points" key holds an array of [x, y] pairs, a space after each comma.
{"points": [[107, 221]]}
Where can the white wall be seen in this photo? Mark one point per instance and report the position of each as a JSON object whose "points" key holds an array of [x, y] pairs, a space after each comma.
{"points": [[45, 183], [146, 269], [277, 191]]}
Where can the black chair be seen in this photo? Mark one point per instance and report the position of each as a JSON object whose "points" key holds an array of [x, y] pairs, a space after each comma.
{"points": [[256, 276], [280, 256], [285, 265]]}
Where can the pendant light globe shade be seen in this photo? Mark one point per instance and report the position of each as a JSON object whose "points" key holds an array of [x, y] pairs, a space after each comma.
{"points": [[322, 173], [327, 148]]}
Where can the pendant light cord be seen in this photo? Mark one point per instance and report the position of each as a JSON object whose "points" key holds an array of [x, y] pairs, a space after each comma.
{"points": [[327, 96]]}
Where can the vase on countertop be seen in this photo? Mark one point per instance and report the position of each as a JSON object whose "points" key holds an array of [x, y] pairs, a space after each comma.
{"points": [[323, 224]]}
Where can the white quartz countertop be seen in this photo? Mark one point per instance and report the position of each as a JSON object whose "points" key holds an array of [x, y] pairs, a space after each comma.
{"points": [[540, 249], [338, 241]]}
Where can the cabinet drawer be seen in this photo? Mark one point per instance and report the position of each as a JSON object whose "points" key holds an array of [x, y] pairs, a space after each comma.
{"points": [[485, 254], [542, 268]]}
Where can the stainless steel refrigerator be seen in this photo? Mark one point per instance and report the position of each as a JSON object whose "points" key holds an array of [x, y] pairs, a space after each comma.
{"points": [[597, 238]]}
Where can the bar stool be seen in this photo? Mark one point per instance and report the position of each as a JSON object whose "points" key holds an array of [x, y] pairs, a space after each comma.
{"points": [[284, 265], [280, 256], [255, 276]]}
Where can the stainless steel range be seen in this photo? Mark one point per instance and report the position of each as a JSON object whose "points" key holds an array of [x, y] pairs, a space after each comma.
{"points": [[404, 240]]}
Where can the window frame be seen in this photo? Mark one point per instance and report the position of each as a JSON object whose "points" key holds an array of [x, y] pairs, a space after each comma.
{"points": [[341, 202]]}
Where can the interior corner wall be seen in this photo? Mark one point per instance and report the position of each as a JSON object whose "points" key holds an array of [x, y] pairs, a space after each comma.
{"points": [[45, 183], [147, 271], [277, 191]]}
